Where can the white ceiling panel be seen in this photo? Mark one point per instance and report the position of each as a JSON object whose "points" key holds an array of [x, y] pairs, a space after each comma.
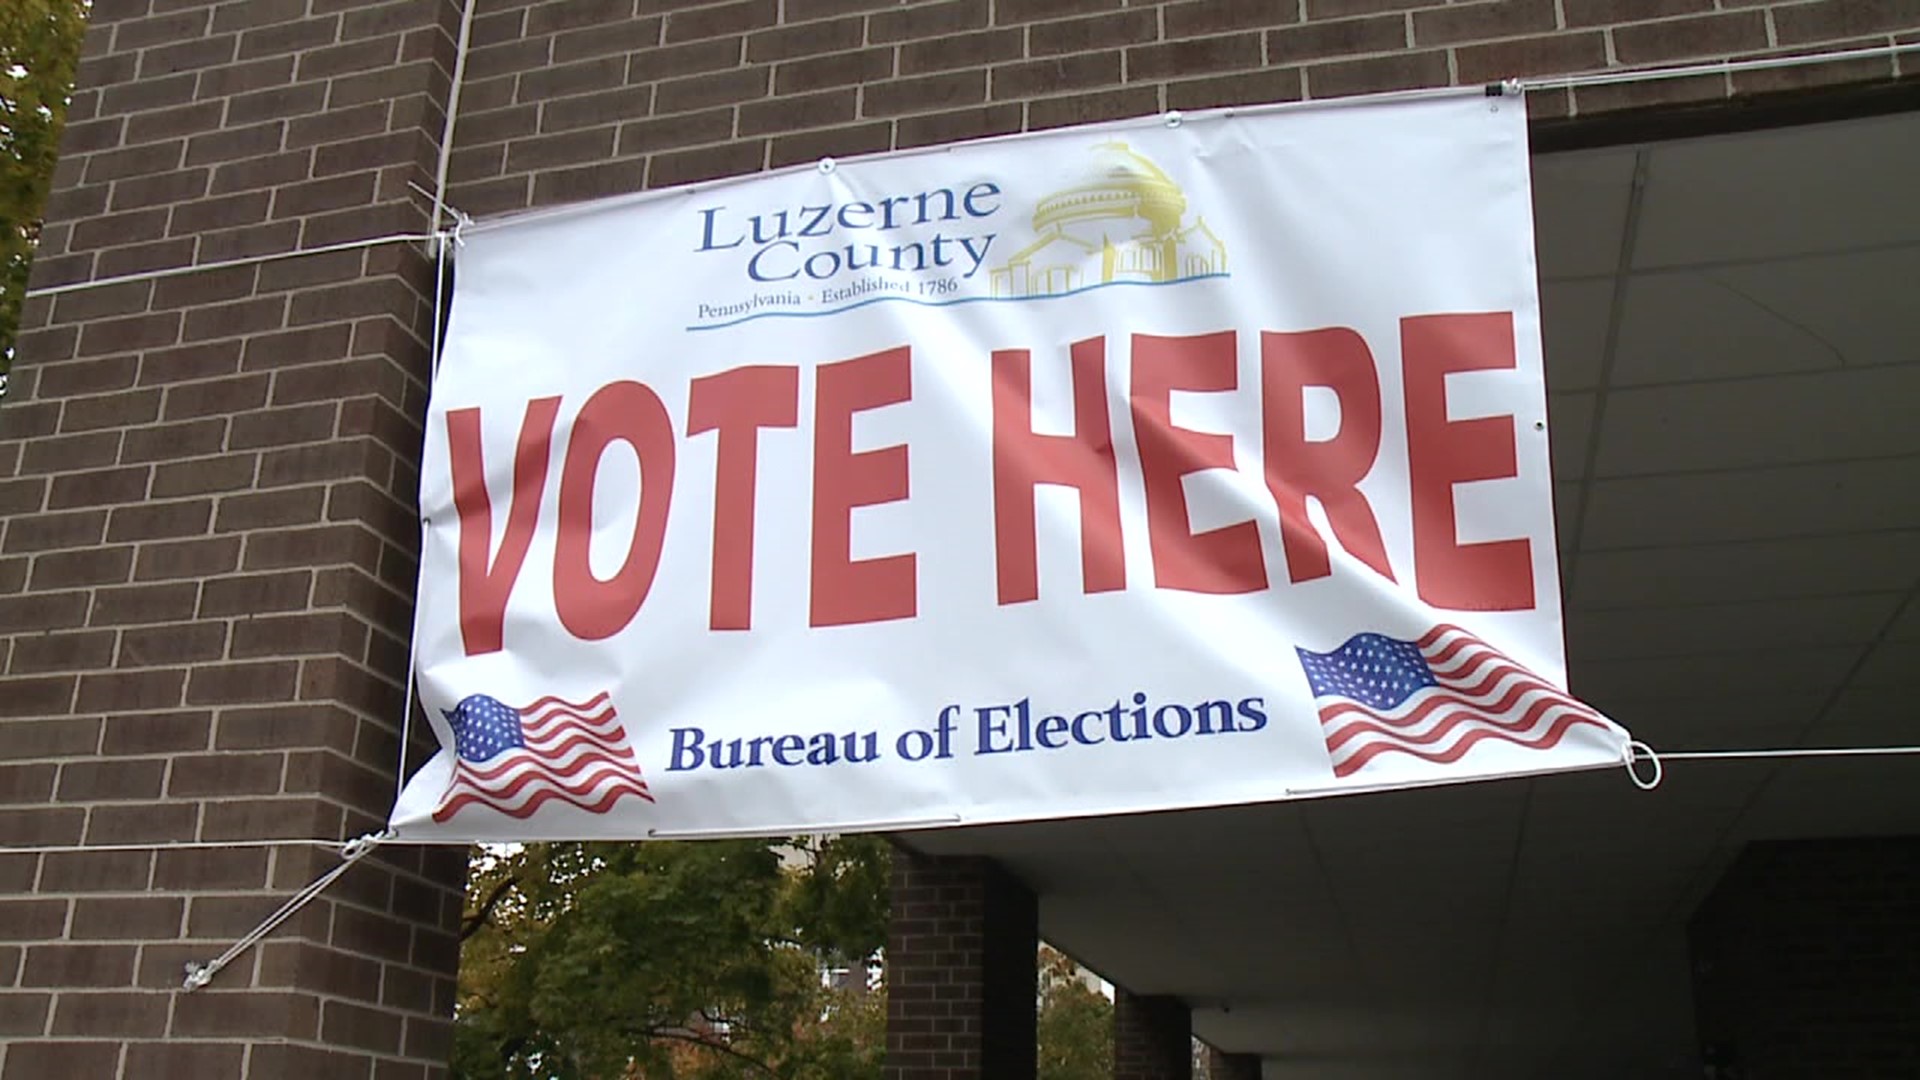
{"points": [[1708, 675], [1783, 192], [1580, 209], [1679, 327], [1628, 633], [1574, 318], [1859, 304], [1753, 504], [1761, 570], [1569, 425], [1833, 416]]}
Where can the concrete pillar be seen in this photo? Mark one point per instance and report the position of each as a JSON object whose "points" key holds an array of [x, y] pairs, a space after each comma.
{"points": [[1805, 958], [962, 972], [1152, 1037], [206, 569], [1224, 1066]]}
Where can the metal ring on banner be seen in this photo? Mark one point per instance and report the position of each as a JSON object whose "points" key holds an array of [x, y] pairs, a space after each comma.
{"points": [[1636, 752]]}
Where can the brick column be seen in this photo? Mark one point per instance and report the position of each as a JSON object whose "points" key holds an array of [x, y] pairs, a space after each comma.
{"points": [[1805, 960], [1152, 1037], [1224, 1066], [206, 568], [962, 972]]}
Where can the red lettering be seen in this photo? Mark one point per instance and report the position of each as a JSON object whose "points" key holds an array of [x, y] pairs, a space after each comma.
{"points": [[1223, 560], [845, 589], [593, 608], [1495, 575], [486, 582], [1083, 461], [738, 404], [1329, 470]]}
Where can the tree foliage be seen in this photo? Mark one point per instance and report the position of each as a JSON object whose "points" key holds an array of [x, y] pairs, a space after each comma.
{"points": [[664, 961], [1076, 1023], [39, 49]]}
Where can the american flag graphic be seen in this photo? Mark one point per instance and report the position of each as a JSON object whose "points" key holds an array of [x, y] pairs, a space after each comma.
{"points": [[1434, 698], [516, 760]]}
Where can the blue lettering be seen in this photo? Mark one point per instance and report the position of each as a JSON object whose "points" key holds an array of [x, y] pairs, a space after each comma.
{"points": [[753, 264], [1080, 731], [706, 232], [980, 191], [1206, 711], [785, 747], [1160, 721], [1051, 727], [988, 729], [1254, 709], [686, 744]]}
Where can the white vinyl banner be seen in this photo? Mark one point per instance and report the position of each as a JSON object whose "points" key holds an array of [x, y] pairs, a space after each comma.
{"points": [[1178, 462]]}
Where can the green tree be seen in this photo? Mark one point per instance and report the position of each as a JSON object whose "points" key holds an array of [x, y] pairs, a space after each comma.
{"points": [[39, 48], [672, 961], [1076, 1023]]}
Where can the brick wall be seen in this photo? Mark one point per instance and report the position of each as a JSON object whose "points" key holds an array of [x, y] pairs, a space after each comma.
{"points": [[1807, 962], [207, 552], [570, 99], [1152, 1037], [962, 973], [206, 482]]}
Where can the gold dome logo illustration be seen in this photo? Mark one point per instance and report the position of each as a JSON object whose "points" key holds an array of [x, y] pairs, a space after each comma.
{"points": [[1128, 225]]}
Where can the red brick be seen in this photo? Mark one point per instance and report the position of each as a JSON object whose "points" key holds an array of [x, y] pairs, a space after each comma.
{"points": [[925, 93], [118, 692], [1248, 88], [1193, 56], [1092, 108], [89, 566], [204, 476], [157, 733], [1078, 72], [270, 509], [101, 487], [140, 823], [78, 966], [256, 594], [1548, 54], [1838, 19], [188, 559], [157, 520], [226, 774], [134, 604], [839, 69], [1676, 39], [1602, 12], [41, 611], [1136, 26], [39, 1060], [121, 1015], [237, 684], [962, 51], [25, 784], [43, 653]]}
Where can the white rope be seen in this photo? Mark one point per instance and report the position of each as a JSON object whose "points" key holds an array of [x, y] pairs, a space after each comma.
{"points": [[440, 255], [199, 975], [227, 264], [1638, 752], [181, 845], [445, 164], [1716, 67]]}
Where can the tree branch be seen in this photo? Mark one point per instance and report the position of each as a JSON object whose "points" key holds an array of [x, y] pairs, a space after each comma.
{"points": [[471, 925], [696, 1039]]}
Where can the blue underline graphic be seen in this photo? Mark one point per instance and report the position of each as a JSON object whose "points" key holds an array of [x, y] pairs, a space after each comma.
{"points": [[897, 299]]}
